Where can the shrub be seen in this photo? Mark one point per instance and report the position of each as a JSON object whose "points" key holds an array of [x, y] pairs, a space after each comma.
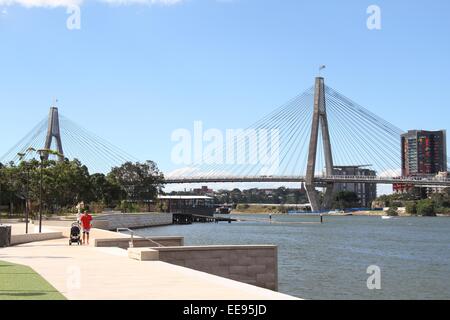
{"points": [[445, 210], [392, 212], [397, 204], [411, 208], [426, 208]]}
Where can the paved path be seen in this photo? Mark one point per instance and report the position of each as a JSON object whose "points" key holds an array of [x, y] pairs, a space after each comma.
{"points": [[90, 273]]}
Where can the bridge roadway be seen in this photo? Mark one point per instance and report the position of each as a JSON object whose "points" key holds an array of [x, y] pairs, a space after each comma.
{"points": [[417, 181]]}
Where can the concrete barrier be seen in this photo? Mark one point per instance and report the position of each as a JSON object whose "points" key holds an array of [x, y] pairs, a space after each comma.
{"points": [[33, 237], [252, 264], [143, 254], [124, 243], [100, 224], [131, 220]]}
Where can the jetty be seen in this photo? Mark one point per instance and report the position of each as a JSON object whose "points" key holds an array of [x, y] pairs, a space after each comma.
{"points": [[187, 218]]}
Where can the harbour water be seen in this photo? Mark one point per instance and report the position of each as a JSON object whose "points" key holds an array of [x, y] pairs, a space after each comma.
{"points": [[330, 260]]}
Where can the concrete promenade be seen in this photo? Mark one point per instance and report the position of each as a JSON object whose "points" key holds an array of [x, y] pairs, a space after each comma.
{"points": [[91, 273]]}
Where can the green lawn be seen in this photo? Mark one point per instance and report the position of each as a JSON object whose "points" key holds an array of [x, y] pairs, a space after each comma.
{"points": [[23, 283]]}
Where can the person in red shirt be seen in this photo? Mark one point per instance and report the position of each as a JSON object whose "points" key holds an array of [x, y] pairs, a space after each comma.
{"points": [[86, 224]]}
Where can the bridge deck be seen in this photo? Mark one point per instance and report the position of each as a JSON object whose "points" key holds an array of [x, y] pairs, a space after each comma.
{"points": [[321, 179]]}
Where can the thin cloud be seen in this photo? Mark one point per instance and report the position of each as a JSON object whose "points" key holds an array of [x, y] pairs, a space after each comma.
{"points": [[69, 3], [41, 3], [141, 2]]}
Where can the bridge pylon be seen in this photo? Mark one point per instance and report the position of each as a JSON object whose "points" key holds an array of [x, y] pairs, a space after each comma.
{"points": [[53, 131], [319, 119]]}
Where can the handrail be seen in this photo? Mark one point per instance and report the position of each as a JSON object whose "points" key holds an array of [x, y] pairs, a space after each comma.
{"points": [[132, 233]]}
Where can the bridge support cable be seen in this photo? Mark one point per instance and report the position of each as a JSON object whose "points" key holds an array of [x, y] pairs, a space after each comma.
{"points": [[99, 142], [29, 140], [357, 142], [285, 121], [74, 152], [94, 152], [288, 129], [87, 151], [92, 149], [285, 128], [367, 138], [356, 136]]}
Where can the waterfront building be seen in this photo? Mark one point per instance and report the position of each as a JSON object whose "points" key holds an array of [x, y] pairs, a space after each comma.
{"points": [[186, 204], [424, 154], [367, 192]]}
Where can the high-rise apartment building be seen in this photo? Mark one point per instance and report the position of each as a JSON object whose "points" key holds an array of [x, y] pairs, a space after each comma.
{"points": [[423, 153]]}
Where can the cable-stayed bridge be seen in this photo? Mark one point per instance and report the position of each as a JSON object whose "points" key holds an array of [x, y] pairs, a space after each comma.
{"points": [[312, 139], [317, 133]]}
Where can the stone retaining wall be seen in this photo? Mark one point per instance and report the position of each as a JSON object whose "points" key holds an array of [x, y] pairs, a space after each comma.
{"points": [[129, 220], [124, 243], [252, 264], [32, 237]]}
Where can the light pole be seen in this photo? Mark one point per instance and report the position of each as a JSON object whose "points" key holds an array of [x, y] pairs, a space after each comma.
{"points": [[42, 157], [27, 199], [43, 153], [27, 212]]}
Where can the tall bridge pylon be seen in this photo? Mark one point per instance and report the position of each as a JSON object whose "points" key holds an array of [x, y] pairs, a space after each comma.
{"points": [[319, 120], [96, 153], [54, 132]]}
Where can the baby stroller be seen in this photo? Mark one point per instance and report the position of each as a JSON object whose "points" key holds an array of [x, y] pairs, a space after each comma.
{"points": [[75, 234]]}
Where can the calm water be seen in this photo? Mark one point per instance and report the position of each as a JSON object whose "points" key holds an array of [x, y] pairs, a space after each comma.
{"points": [[329, 261]]}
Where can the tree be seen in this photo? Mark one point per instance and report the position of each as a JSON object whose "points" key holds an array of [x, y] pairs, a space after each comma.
{"points": [[280, 195], [65, 183], [396, 199], [345, 199], [140, 181], [9, 186], [237, 196], [426, 208], [104, 190]]}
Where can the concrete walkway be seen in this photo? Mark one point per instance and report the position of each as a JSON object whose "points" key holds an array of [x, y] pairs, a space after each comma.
{"points": [[90, 273]]}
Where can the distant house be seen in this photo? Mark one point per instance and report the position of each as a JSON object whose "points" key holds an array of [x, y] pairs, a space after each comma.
{"points": [[203, 191]]}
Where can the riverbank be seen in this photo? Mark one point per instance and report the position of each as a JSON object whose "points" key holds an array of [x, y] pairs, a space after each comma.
{"points": [[283, 210], [400, 214]]}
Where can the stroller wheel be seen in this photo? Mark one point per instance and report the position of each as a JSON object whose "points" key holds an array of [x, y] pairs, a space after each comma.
{"points": [[70, 243]]}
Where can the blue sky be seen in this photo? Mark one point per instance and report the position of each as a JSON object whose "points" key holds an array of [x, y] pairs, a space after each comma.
{"points": [[136, 71]]}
